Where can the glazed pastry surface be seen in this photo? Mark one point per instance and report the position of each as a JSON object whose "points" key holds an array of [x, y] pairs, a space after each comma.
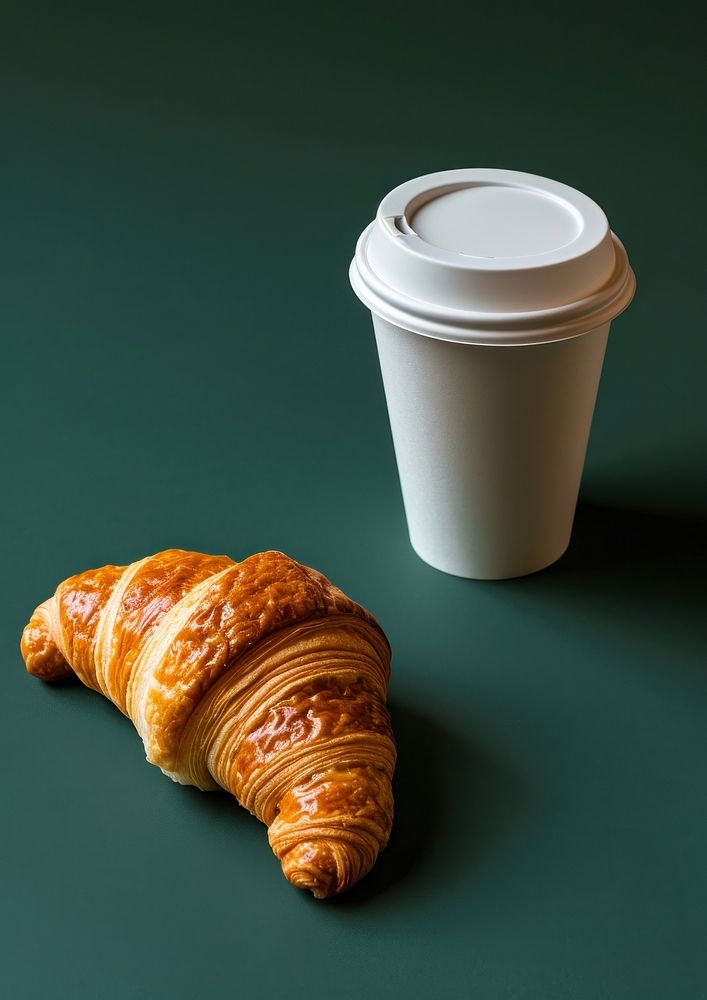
{"points": [[260, 677]]}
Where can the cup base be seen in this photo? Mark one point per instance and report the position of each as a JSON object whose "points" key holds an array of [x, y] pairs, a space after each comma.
{"points": [[489, 573]]}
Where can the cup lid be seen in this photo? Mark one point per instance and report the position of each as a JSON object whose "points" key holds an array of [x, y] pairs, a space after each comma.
{"points": [[488, 256]]}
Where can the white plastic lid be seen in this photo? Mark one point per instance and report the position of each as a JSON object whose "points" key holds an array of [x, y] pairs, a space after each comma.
{"points": [[491, 257]]}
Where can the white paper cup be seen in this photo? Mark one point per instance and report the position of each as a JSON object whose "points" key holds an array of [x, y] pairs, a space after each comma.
{"points": [[492, 294]]}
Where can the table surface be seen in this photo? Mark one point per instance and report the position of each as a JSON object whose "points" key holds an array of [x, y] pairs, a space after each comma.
{"points": [[185, 365]]}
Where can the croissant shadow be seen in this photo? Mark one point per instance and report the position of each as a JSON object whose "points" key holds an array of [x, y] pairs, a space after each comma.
{"points": [[219, 808], [453, 799], [432, 763]]}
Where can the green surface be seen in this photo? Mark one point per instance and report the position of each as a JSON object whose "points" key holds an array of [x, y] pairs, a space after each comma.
{"points": [[185, 364]]}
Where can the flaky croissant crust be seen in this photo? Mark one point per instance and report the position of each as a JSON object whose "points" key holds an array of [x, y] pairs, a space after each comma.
{"points": [[260, 677]]}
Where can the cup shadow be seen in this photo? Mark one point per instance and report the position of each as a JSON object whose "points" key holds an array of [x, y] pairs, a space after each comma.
{"points": [[669, 550], [640, 573]]}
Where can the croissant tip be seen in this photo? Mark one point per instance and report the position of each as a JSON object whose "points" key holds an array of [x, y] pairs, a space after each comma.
{"points": [[42, 656], [311, 867], [307, 880]]}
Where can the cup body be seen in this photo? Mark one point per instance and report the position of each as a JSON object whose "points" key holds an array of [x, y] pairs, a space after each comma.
{"points": [[492, 292], [490, 444]]}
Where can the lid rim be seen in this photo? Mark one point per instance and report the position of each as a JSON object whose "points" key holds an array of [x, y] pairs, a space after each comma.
{"points": [[496, 329]]}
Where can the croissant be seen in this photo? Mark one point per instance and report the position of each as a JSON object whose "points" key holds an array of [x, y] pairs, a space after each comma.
{"points": [[259, 677]]}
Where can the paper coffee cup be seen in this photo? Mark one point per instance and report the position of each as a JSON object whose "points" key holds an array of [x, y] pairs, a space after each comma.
{"points": [[492, 292]]}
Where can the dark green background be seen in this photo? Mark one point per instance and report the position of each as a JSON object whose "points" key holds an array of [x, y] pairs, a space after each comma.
{"points": [[183, 363]]}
